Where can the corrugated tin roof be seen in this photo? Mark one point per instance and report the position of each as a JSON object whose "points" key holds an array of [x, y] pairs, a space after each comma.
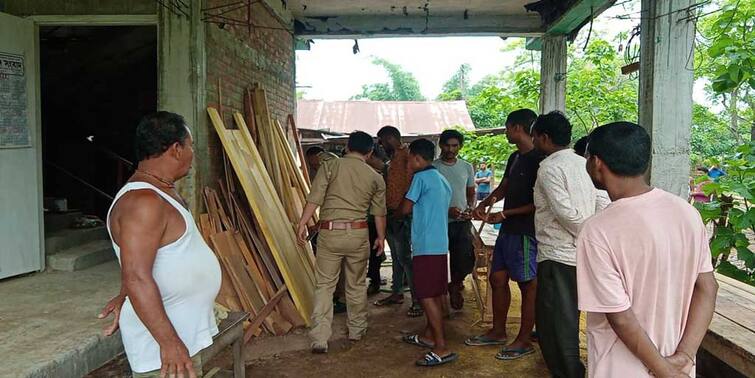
{"points": [[411, 117]]}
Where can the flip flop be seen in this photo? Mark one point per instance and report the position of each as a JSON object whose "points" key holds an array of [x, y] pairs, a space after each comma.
{"points": [[415, 340], [514, 353], [482, 340], [388, 301], [432, 359], [414, 311]]}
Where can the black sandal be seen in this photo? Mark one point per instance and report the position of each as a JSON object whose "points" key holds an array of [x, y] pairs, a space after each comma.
{"points": [[415, 311], [389, 300], [433, 359]]}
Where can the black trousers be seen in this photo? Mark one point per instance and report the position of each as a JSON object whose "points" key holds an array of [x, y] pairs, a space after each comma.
{"points": [[557, 319], [461, 250], [373, 268]]}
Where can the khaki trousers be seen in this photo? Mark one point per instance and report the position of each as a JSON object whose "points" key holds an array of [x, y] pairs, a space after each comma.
{"points": [[349, 249]]}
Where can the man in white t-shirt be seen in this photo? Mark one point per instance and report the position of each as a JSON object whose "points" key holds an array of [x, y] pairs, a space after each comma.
{"points": [[644, 272]]}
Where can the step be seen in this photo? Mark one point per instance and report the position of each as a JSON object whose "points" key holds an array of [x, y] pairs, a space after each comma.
{"points": [[55, 222], [58, 241], [82, 257]]}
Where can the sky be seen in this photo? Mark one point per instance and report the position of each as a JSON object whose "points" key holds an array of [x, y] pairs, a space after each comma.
{"points": [[331, 71]]}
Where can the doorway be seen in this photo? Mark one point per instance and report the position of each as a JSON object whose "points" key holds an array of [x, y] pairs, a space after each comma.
{"points": [[96, 82]]}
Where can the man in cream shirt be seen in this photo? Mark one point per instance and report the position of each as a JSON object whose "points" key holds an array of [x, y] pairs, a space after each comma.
{"points": [[564, 198]]}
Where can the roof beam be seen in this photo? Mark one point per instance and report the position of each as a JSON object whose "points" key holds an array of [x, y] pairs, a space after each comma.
{"points": [[387, 26], [573, 19]]}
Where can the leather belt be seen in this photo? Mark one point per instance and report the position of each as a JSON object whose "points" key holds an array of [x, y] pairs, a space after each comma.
{"points": [[335, 225]]}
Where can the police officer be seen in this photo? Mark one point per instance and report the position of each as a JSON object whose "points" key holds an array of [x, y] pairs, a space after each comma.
{"points": [[315, 157], [345, 189]]}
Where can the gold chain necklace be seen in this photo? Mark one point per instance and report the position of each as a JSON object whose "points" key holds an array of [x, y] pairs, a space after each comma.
{"points": [[167, 183]]}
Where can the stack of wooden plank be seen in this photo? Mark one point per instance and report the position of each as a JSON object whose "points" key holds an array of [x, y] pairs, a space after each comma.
{"points": [[278, 157], [250, 223]]}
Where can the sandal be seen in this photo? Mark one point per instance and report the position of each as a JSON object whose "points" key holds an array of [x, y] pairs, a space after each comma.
{"points": [[508, 354], [482, 340], [415, 340], [389, 300], [415, 311], [432, 359]]}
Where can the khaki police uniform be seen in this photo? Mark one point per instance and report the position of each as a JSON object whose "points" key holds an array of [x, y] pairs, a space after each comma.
{"points": [[345, 189]]}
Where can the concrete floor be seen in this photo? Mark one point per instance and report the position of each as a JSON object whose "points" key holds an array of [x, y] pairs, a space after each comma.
{"points": [[49, 325]]}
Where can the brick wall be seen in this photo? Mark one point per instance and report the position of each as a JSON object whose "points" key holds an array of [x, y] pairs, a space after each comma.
{"points": [[236, 59]]}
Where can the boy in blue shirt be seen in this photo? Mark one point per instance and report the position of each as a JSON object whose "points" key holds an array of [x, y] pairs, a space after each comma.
{"points": [[428, 199]]}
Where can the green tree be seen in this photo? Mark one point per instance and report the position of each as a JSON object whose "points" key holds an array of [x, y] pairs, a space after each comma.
{"points": [[727, 60], [402, 87], [491, 104], [492, 149], [457, 87]]}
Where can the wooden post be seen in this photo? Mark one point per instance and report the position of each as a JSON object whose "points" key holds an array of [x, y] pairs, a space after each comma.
{"points": [[665, 96]]}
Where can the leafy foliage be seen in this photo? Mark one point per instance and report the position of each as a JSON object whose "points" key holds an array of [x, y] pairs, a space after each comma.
{"points": [[710, 136], [403, 86], [732, 214], [730, 53], [492, 149], [457, 87]]}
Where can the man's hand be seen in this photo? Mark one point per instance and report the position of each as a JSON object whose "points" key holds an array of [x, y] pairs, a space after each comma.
{"points": [[454, 213], [681, 362], [495, 218], [479, 211], [176, 361], [379, 246], [301, 234], [112, 307]]}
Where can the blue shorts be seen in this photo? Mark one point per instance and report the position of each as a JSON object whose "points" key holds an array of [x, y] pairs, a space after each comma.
{"points": [[516, 254]]}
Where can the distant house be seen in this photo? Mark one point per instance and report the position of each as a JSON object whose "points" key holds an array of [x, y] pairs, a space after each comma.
{"points": [[411, 117]]}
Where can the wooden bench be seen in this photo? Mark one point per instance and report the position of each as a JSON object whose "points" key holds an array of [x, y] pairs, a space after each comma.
{"points": [[731, 336], [231, 332]]}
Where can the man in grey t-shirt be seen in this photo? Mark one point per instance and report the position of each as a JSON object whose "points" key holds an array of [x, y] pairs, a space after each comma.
{"points": [[460, 174]]}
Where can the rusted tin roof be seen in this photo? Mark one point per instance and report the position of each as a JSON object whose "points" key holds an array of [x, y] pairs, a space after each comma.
{"points": [[411, 117]]}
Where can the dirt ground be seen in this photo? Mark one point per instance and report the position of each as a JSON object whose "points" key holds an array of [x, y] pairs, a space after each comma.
{"points": [[382, 353]]}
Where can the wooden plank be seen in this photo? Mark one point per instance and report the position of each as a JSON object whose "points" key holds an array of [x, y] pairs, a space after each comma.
{"points": [[257, 320], [306, 255], [227, 295], [249, 115], [746, 290], [737, 308], [243, 283], [241, 286], [726, 341], [264, 202], [288, 310], [262, 285], [299, 149]]}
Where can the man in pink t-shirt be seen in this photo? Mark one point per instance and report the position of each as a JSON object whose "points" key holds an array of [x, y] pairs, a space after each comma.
{"points": [[644, 273]]}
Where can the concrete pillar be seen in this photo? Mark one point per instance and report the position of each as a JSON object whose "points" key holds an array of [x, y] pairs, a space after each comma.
{"points": [[665, 98], [181, 86], [553, 74]]}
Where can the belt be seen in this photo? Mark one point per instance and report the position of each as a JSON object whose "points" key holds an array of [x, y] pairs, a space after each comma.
{"points": [[334, 225]]}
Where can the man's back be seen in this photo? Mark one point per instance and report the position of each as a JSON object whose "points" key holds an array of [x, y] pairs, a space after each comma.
{"points": [[346, 188], [643, 252], [565, 197], [431, 194]]}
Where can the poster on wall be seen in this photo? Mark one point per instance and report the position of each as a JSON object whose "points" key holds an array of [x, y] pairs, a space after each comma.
{"points": [[14, 125]]}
